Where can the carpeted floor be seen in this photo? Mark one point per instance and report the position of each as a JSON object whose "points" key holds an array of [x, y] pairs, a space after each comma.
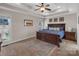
{"points": [[34, 47], [68, 48], [30, 47]]}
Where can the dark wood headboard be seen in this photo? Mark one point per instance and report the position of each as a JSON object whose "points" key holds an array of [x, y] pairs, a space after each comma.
{"points": [[57, 25]]}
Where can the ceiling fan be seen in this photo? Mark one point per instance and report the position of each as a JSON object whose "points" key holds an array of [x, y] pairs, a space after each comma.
{"points": [[43, 7]]}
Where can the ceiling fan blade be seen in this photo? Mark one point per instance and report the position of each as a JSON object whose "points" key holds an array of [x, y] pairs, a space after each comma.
{"points": [[48, 9], [37, 9]]}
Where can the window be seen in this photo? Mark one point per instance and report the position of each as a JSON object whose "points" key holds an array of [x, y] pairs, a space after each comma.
{"points": [[3, 21]]}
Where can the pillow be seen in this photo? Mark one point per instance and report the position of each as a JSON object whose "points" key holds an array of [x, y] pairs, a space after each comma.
{"points": [[55, 28], [58, 29], [61, 28], [51, 28]]}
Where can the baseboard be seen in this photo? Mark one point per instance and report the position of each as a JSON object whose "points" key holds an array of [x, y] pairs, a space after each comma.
{"points": [[17, 40]]}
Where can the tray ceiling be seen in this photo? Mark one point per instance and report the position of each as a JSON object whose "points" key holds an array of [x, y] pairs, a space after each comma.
{"points": [[30, 8]]}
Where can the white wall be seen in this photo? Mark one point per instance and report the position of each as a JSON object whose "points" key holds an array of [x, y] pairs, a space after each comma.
{"points": [[78, 29], [21, 32], [18, 30], [70, 20]]}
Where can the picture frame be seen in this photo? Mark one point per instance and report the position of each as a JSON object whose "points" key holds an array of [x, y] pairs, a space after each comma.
{"points": [[55, 19], [28, 22], [61, 19], [50, 20]]}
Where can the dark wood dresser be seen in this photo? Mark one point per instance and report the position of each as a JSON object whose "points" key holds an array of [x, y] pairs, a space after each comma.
{"points": [[70, 36]]}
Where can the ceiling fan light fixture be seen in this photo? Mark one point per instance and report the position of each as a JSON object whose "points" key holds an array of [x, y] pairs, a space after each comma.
{"points": [[42, 8]]}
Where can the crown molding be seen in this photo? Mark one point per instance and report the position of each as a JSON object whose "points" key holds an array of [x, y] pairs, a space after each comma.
{"points": [[27, 10], [20, 11]]}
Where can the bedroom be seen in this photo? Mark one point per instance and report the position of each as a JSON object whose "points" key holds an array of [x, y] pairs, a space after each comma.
{"points": [[26, 20]]}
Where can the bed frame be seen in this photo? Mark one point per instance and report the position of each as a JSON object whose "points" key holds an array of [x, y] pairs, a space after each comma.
{"points": [[48, 37]]}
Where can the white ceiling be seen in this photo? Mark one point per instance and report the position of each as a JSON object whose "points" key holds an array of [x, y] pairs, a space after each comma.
{"points": [[30, 8]]}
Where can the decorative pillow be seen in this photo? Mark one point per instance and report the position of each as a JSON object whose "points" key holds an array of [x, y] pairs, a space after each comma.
{"points": [[55, 28], [58, 29], [61, 28], [51, 28]]}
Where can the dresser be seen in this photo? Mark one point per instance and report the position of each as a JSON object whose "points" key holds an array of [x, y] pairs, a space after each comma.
{"points": [[70, 36]]}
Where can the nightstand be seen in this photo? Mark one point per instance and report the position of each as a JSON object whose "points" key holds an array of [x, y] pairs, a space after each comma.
{"points": [[70, 36]]}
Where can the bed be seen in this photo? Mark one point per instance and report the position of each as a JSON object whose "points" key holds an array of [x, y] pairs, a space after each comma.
{"points": [[54, 34], [58, 29]]}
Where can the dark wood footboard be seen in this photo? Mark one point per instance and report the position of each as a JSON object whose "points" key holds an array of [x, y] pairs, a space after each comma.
{"points": [[47, 37]]}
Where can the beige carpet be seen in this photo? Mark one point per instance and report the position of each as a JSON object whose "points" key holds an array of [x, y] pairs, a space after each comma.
{"points": [[30, 47], [34, 47], [68, 48]]}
